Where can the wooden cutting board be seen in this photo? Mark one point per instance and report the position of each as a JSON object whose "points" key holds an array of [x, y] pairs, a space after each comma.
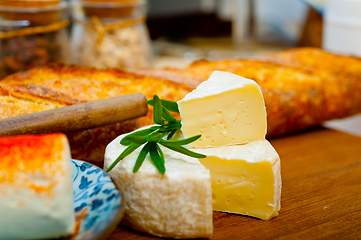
{"points": [[321, 194]]}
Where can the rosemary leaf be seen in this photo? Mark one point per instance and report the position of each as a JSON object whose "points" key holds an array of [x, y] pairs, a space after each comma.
{"points": [[170, 105], [167, 125], [162, 129], [168, 116], [182, 141], [125, 153], [127, 140], [173, 126], [183, 150], [140, 159], [136, 139], [157, 111], [156, 158], [154, 128], [171, 134], [160, 152], [156, 136]]}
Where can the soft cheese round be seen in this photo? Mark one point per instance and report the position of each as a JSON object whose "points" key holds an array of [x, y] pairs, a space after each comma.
{"points": [[177, 204]]}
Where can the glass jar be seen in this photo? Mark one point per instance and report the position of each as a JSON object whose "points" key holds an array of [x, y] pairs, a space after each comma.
{"points": [[110, 33], [32, 33]]}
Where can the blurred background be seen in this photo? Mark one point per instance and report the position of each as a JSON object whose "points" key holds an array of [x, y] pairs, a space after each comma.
{"points": [[155, 33], [194, 29], [132, 34]]}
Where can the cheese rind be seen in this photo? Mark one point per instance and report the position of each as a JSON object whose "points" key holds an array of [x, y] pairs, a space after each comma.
{"points": [[177, 204], [226, 110], [246, 179], [36, 193]]}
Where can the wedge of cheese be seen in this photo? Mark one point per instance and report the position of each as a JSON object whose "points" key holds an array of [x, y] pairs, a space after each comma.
{"points": [[177, 204], [226, 109], [36, 194], [246, 179]]}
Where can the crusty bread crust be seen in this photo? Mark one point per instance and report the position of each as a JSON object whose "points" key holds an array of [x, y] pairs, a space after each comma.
{"points": [[302, 87], [61, 85], [70, 84]]}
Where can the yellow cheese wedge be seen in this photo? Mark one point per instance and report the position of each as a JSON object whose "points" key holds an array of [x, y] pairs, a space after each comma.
{"points": [[226, 109], [246, 179]]}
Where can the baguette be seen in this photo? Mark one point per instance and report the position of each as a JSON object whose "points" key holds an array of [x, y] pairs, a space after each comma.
{"points": [[316, 59], [302, 88], [345, 69], [298, 95], [59, 85]]}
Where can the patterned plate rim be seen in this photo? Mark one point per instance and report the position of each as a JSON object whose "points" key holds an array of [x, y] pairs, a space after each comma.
{"points": [[116, 216]]}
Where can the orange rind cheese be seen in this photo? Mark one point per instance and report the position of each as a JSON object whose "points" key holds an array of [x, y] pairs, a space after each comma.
{"points": [[36, 191]]}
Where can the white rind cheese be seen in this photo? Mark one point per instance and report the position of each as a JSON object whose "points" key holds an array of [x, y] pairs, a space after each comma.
{"points": [[226, 109], [246, 179], [241, 173], [36, 194], [177, 204]]}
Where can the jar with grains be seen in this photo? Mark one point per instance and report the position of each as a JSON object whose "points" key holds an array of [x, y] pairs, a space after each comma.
{"points": [[110, 33], [32, 33]]}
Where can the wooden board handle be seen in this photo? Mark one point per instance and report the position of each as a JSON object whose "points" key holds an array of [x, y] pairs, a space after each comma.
{"points": [[77, 117]]}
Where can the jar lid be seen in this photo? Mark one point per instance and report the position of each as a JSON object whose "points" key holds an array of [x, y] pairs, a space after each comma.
{"points": [[111, 1], [28, 3], [37, 12], [112, 8]]}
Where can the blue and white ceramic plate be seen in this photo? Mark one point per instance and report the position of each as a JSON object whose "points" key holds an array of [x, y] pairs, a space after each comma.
{"points": [[98, 203]]}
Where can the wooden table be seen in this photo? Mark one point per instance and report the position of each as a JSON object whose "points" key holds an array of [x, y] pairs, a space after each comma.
{"points": [[321, 194]]}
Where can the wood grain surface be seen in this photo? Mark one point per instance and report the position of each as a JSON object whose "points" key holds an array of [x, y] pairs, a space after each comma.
{"points": [[77, 117], [321, 194]]}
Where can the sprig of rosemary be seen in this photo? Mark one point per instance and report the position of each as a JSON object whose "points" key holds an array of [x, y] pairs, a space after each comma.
{"points": [[167, 125]]}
